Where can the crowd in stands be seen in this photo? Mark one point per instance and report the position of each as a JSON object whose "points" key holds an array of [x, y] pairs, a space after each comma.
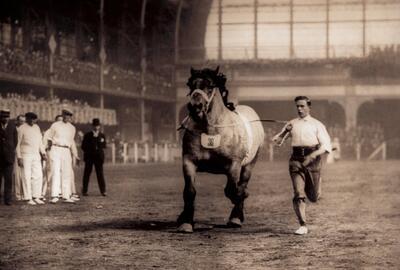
{"points": [[381, 62], [20, 62], [48, 108], [73, 71]]}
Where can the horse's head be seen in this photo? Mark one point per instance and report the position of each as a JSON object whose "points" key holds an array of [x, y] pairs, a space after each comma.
{"points": [[203, 85]]}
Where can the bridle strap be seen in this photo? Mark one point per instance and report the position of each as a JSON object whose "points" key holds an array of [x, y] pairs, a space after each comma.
{"points": [[204, 95]]}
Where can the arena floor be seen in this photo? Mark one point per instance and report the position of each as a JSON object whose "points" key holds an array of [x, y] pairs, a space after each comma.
{"points": [[356, 225]]}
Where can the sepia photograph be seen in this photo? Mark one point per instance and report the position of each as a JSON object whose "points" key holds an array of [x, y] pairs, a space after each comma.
{"points": [[199, 134]]}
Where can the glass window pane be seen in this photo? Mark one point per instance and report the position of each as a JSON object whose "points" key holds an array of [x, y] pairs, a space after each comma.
{"points": [[213, 16], [345, 12], [382, 33], [345, 39], [309, 2], [376, 10], [238, 41], [238, 15], [309, 40], [274, 3], [228, 3], [211, 41], [273, 14], [273, 41], [309, 13]]}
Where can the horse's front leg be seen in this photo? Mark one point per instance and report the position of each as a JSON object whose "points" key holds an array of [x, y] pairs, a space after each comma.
{"points": [[232, 191], [185, 219]]}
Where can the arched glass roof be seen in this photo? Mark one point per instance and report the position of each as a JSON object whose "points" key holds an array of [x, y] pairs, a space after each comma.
{"points": [[281, 29]]}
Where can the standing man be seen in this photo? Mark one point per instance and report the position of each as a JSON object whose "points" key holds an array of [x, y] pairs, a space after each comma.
{"points": [[8, 143], [47, 164], [30, 152], [93, 145], [19, 190], [63, 151], [309, 141]]}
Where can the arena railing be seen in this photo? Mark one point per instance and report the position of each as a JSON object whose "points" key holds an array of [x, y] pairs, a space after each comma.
{"points": [[47, 111]]}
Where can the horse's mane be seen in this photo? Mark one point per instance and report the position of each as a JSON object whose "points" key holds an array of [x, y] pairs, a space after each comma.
{"points": [[216, 78]]}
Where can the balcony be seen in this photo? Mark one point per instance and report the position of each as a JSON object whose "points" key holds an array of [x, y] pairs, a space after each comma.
{"points": [[33, 68]]}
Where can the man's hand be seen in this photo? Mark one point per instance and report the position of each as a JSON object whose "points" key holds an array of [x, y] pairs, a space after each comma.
{"points": [[76, 161], [288, 128], [310, 158], [277, 140], [44, 157], [20, 162]]}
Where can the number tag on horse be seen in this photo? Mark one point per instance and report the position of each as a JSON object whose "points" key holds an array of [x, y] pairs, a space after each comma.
{"points": [[210, 141]]}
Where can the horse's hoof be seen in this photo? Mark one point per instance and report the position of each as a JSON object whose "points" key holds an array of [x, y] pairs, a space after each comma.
{"points": [[234, 223], [185, 228]]}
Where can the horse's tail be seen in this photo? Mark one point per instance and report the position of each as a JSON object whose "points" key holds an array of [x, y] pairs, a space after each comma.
{"points": [[254, 130]]}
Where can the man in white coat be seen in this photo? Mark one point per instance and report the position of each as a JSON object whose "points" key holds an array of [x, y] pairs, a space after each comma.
{"points": [[62, 153], [30, 152]]}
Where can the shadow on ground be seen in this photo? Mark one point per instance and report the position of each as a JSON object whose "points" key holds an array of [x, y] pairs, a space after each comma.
{"points": [[166, 226]]}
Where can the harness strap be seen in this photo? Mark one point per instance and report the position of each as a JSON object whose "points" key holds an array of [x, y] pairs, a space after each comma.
{"points": [[204, 95]]}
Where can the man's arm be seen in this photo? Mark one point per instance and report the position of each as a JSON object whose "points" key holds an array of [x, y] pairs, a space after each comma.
{"points": [[325, 145], [84, 142], [18, 146], [280, 138]]}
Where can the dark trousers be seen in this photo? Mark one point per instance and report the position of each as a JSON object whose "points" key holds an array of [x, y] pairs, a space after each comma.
{"points": [[306, 184], [98, 165], [6, 171]]}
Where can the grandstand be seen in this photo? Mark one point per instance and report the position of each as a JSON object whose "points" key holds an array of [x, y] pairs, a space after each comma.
{"points": [[128, 61]]}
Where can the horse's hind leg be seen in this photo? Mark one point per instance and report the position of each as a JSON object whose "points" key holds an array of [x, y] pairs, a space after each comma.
{"points": [[185, 219]]}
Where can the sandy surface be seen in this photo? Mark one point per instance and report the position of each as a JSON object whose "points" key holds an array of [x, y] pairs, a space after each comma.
{"points": [[356, 225]]}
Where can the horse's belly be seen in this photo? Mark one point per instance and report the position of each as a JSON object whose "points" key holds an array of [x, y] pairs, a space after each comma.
{"points": [[254, 131]]}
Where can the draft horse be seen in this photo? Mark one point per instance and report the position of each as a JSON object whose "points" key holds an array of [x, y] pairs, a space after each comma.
{"points": [[219, 139]]}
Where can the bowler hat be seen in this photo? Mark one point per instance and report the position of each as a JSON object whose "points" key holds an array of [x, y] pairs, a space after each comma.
{"points": [[5, 113], [96, 122]]}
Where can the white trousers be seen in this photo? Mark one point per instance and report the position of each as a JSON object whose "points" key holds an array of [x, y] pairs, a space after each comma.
{"points": [[46, 176], [18, 178], [61, 170], [32, 176]]}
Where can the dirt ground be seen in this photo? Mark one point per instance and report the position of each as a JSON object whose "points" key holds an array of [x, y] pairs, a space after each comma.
{"points": [[356, 225]]}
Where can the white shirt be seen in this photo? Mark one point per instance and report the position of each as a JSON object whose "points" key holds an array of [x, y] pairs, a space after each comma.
{"points": [[308, 131], [62, 134], [29, 140]]}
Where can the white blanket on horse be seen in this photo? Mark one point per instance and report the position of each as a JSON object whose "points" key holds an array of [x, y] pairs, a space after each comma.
{"points": [[254, 137]]}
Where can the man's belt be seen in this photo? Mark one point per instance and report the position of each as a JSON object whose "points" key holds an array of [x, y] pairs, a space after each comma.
{"points": [[63, 146], [302, 151]]}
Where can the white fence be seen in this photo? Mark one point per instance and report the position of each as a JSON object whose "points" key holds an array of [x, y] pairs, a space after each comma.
{"points": [[143, 152]]}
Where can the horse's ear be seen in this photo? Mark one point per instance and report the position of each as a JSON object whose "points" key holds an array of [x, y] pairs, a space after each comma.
{"points": [[217, 70], [191, 71]]}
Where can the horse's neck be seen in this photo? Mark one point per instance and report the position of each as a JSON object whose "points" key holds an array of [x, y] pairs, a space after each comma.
{"points": [[217, 111]]}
